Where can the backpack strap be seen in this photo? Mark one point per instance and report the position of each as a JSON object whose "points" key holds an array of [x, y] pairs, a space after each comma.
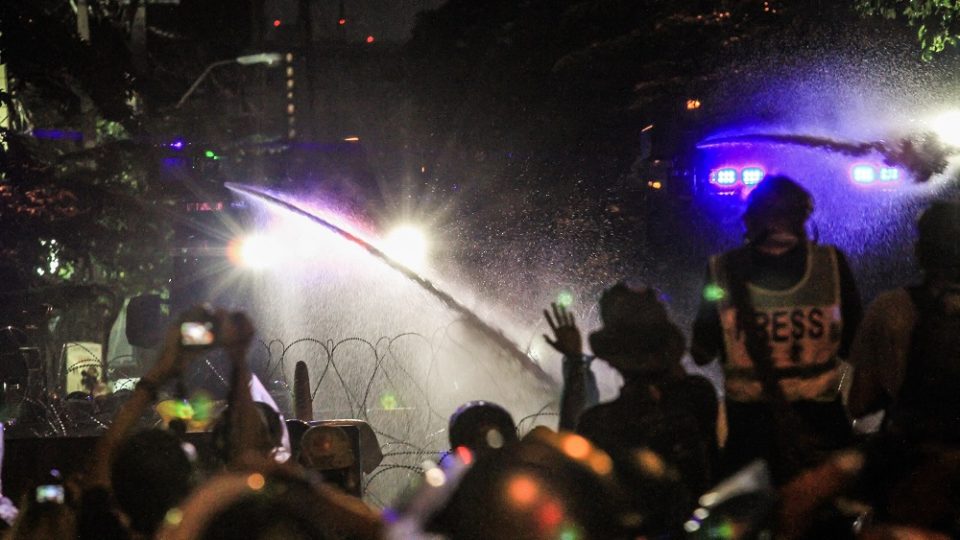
{"points": [[919, 411], [922, 301]]}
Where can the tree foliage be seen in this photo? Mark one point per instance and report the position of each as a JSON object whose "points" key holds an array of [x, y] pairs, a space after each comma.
{"points": [[81, 200], [937, 21], [74, 212]]}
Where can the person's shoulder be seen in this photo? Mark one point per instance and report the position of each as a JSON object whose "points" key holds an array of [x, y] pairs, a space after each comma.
{"points": [[891, 311], [722, 259], [694, 388], [892, 301], [830, 248], [733, 252], [595, 420], [694, 381], [598, 412]]}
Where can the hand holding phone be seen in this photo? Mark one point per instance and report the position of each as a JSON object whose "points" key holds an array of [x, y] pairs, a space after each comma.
{"points": [[199, 327], [197, 334], [50, 493], [52, 490]]}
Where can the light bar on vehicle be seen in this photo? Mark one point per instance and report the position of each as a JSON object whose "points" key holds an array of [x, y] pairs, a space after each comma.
{"points": [[729, 177], [867, 174]]}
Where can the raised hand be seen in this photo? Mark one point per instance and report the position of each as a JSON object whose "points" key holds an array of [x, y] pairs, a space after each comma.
{"points": [[173, 357], [567, 340], [235, 332]]}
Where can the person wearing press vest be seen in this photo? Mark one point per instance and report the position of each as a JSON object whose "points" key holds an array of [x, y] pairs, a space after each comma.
{"points": [[778, 313]]}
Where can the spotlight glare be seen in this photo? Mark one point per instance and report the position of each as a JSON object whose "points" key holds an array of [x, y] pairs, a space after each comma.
{"points": [[947, 127], [408, 246], [254, 251]]}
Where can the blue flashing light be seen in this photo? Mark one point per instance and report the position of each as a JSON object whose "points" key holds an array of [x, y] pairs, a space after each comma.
{"points": [[724, 177], [177, 144], [175, 162], [863, 174], [57, 134], [889, 174], [751, 176]]}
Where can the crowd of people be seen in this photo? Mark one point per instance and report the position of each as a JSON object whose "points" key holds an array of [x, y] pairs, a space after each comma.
{"points": [[778, 451]]}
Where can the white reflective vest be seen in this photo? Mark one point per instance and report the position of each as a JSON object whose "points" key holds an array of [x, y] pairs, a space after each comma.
{"points": [[802, 326]]}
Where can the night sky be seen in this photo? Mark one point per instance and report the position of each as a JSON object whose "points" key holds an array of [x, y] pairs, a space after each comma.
{"points": [[386, 20]]}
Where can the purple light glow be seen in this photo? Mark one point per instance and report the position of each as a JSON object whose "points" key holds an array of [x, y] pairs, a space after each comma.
{"points": [[177, 144]]}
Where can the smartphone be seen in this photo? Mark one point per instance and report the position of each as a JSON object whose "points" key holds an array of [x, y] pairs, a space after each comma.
{"points": [[197, 334], [50, 493]]}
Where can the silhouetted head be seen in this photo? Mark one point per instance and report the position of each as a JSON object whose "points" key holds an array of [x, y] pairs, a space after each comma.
{"points": [[637, 336], [150, 474], [777, 210], [255, 505], [551, 485], [938, 240], [285, 507], [481, 426], [43, 520]]}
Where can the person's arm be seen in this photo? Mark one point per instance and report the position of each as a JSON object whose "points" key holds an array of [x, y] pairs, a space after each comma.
{"points": [[867, 393], [169, 365], [236, 333], [706, 343], [578, 381]]}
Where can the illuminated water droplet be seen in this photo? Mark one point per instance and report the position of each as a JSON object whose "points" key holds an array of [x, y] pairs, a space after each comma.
{"points": [[388, 401], [174, 516]]}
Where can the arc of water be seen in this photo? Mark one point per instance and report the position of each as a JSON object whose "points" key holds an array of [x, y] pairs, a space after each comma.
{"points": [[842, 147], [469, 316], [924, 155]]}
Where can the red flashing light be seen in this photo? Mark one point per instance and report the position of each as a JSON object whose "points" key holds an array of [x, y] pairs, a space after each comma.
{"points": [[204, 207], [370, 39], [277, 23], [465, 455], [342, 22]]}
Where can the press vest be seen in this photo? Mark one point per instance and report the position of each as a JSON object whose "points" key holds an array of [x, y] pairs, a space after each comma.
{"points": [[802, 326]]}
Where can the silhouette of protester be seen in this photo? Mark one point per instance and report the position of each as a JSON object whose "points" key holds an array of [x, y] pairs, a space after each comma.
{"points": [[660, 408], [905, 358], [906, 352]]}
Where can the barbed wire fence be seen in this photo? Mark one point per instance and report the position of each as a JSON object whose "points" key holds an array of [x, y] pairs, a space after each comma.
{"points": [[354, 377]]}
